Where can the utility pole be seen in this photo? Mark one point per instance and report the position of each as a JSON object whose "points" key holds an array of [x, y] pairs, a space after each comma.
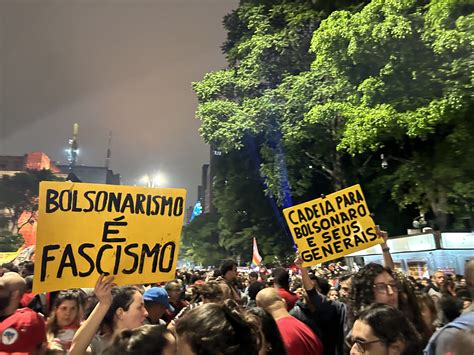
{"points": [[109, 152], [73, 147]]}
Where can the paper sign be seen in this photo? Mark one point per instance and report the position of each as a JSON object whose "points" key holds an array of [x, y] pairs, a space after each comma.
{"points": [[330, 227], [85, 230]]}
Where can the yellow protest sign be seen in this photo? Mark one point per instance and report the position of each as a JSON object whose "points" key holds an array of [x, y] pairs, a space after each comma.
{"points": [[332, 226], [85, 230]]}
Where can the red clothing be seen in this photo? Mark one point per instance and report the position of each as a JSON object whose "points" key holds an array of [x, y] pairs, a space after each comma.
{"points": [[26, 299], [298, 338], [22, 332], [289, 297], [169, 316]]}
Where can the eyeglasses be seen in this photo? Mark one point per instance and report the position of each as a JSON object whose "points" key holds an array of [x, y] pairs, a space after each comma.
{"points": [[361, 345], [382, 288]]}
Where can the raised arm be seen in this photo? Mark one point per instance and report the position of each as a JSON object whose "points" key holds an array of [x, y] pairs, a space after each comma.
{"points": [[387, 257], [307, 283], [88, 329]]}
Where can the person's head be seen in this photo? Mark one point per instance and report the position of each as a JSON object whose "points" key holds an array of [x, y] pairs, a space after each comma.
{"points": [[322, 285], [174, 290], [427, 310], [439, 279], [373, 284], [12, 287], [27, 269], [451, 306], [214, 329], [465, 296], [229, 269], [29, 283], [211, 292], [146, 339], [253, 277], [9, 267], [382, 329], [270, 301], [272, 342], [67, 311], [345, 285], [254, 289], [156, 303], [281, 278], [127, 310], [333, 295]]}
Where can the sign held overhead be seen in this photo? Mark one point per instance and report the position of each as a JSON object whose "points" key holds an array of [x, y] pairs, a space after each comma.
{"points": [[85, 230], [330, 227]]}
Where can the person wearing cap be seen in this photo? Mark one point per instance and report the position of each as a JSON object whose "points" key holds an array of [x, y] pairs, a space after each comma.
{"points": [[156, 303], [22, 330]]}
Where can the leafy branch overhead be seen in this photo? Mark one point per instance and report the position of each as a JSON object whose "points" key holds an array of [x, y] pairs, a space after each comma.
{"points": [[320, 90]]}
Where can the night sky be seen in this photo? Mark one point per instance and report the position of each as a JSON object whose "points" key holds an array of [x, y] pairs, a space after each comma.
{"points": [[120, 65]]}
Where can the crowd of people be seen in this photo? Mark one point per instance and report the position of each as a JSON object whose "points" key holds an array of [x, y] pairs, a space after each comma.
{"points": [[326, 310]]}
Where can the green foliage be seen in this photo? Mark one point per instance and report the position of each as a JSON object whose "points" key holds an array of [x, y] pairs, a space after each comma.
{"points": [[200, 241], [318, 95], [245, 210], [10, 242], [20, 193], [408, 70]]}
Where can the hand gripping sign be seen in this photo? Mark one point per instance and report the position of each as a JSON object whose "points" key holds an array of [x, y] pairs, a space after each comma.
{"points": [[332, 226], [85, 230]]}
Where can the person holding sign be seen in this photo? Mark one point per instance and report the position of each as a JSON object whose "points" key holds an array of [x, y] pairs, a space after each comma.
{"points": [[118, 308], [332, 226], [329, 316]]}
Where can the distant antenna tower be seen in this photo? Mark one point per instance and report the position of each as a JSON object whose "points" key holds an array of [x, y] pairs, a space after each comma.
{"points": [[107, 159], [73, 147]]}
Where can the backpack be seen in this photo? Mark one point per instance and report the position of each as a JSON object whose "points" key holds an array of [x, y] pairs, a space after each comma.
{"points": [[462, 322]]}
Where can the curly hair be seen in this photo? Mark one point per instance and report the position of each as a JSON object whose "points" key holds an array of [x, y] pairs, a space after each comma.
{"points": [[409, 305], [363, 296], [362, 293], [212, 329]]}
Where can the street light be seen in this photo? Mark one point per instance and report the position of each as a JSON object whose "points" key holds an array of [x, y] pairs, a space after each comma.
{"points": [[155, 180]]}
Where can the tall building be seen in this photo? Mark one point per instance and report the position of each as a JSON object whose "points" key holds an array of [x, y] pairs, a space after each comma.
{"points": [[205, 194]]}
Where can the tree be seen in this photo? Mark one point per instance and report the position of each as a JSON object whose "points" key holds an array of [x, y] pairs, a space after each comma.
{"points": [[246, 212], [20, 193], [200, 241], [388, 79], [10, 242], [406, 70]]}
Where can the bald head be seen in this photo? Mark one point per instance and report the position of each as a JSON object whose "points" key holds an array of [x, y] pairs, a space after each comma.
{"points": [[12, 281], [12, 287], [270, 300]]}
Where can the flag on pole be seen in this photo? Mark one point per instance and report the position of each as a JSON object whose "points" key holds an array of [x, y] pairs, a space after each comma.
{"points": [[256, 258]]}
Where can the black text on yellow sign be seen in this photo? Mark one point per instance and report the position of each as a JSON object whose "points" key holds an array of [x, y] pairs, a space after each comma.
{"points": [[330, 227], [85, 230]]}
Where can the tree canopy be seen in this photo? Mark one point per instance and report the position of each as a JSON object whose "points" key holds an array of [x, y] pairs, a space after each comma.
{"points": [[325, 94]]}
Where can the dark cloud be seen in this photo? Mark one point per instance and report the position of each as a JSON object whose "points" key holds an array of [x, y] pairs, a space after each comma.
{"points": [[125, 66]]}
